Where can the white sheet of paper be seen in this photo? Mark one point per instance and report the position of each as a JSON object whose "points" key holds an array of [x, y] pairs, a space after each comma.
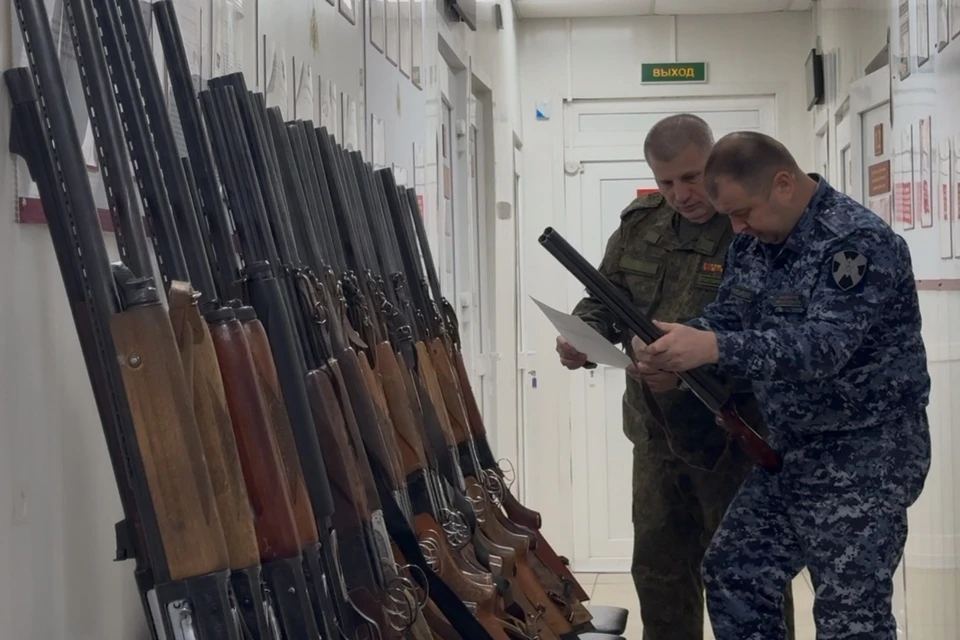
{"points": [[584, 338]]}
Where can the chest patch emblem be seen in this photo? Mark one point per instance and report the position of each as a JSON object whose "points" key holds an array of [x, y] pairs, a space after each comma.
{"points": [[849, 269], [712, 267]]}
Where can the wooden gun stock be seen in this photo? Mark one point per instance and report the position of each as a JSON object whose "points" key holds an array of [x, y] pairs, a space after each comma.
{"points": [[279, 422], [412, 456], [266, 486], [387, 432], [436, 550], [202, 372], [348, 495], [169, 442], [515, 511]]}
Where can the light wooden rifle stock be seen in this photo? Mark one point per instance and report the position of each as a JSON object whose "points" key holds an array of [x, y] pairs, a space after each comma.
{"points": [[202, 372], [483, 597], [259, 458], [169, 442], [279, 422], [439, 371], [515, 511]]}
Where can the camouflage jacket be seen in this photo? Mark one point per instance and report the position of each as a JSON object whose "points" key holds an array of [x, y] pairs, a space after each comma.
{"points": [[826, 325], [672, 281]]}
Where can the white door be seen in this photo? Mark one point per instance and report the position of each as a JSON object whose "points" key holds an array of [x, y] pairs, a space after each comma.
{"points": [[606, 141]]}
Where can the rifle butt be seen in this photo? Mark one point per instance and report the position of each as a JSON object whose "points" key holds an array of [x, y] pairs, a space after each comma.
{"points": [[277, 537], [169, 441], [283, 433], [199, 359]]}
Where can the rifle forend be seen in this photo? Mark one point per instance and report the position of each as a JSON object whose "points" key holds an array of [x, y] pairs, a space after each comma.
{"points": [[703, 385]]}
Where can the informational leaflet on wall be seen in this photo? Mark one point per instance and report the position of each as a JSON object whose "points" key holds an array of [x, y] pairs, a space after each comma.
{"points": [[925, 149], [275, 72], [584, 338], [944, 198], [955, 203], [303, 100]]}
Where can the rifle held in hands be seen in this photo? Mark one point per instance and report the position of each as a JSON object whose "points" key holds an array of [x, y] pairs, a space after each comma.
{"points": [[703, 385]]}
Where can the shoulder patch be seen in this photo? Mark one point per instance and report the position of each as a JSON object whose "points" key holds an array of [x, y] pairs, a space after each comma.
{"points": [[849, 269], [648, 202]]}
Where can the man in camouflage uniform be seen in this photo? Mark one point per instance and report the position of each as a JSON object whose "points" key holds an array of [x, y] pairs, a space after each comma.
{"points": [[668, 257], [818, 307]]}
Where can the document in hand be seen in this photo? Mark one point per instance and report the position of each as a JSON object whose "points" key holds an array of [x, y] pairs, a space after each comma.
{"points": [[584, 338]]}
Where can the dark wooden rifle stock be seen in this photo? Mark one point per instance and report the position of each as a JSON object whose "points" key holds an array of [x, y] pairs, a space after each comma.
{"points": [[279, 421], [436, 365]]}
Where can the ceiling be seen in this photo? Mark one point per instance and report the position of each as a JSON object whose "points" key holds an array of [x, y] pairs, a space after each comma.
{"points": [[608, 8]]}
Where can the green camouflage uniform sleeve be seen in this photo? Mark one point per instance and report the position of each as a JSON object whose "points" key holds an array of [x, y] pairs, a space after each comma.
{"points": [[591, 310]]}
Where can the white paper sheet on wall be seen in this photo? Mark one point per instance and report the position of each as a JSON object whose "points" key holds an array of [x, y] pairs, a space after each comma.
{"points": [[351, 132], [379, 141], [333, 124], [303, 103], [275, 91]]}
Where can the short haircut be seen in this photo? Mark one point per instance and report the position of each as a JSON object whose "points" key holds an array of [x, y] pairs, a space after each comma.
{"points": [[669, 137], [749, 158]]}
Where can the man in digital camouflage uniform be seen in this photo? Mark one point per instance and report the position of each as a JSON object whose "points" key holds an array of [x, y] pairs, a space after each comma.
{"points": [[818, 307], [668, 257]]}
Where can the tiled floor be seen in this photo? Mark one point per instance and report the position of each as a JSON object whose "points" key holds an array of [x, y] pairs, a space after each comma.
{"points": [[933, 604]]}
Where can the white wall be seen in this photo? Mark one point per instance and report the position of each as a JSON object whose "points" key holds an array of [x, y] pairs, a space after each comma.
{"points": [[58, 499], [851, 36], [599, 59]]}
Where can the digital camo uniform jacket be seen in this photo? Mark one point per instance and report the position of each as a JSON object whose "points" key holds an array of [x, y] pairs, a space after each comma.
{"points": [[827, 326], [671, 269]]}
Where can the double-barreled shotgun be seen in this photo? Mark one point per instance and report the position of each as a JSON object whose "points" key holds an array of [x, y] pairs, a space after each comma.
{"points": [[702, 383]]}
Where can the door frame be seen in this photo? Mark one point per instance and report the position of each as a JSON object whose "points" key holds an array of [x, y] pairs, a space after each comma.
{"points": [[866, 94], [578, 149]]}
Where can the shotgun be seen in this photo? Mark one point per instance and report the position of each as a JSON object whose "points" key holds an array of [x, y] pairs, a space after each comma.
{"points": [[414, 413], [543, 590], [486, 469], [126, 336], [174, 213], [704, 385]]}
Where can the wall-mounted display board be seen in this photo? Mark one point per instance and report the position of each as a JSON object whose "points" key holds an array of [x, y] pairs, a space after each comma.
{"points": [[378, 24], [926, 123], [393, 31], [417, 36]]}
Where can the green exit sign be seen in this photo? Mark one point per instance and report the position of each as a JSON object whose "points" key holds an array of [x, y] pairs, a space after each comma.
{"points": [[673, 72]]}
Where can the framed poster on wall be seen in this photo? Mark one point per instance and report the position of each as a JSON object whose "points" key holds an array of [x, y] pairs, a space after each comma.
{"points": [[406, 29], [348, 10], [416, 68], [925, 181], [904, 39], [944, 198], [923, 32], [907, 177], [943, 24], [953, 17], [955, 200], [393, 30], [378, 25]]}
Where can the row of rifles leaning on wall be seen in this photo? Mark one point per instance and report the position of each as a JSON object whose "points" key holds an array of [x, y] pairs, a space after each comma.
{"points": [[297, 449]]}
